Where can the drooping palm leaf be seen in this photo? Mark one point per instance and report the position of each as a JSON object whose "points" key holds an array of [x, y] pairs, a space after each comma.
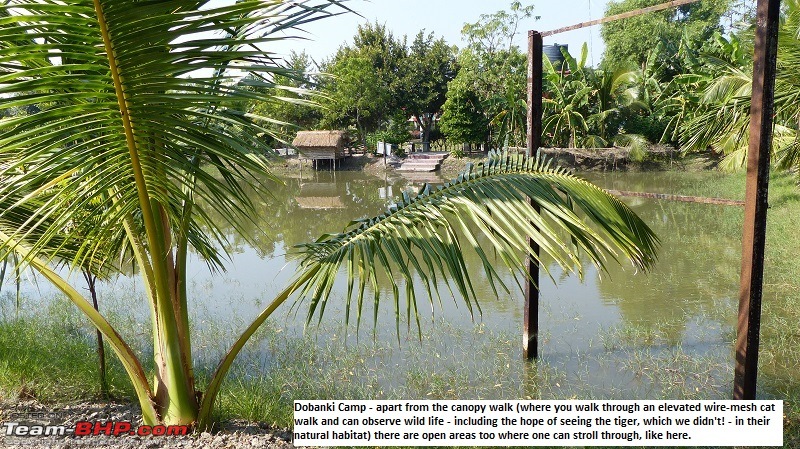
{"points": [[636, 144], [438, 224], [426, 236]]}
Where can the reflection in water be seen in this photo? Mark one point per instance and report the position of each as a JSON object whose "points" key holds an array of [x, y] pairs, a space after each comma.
{"points": [[685, 300], [698, 265]]}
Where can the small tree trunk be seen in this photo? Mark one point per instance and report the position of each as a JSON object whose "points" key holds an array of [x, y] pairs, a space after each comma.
{"points": [[101, 352], [361, 132]]}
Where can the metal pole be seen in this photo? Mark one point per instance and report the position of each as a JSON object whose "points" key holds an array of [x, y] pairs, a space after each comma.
{"points": [[755, 214], [530, 338]]}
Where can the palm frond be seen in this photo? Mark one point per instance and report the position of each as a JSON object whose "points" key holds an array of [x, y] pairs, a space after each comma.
{"points": [[637, 144], [594, 141], [731, 85], [427, 234], [734, 160], [154, 113]]}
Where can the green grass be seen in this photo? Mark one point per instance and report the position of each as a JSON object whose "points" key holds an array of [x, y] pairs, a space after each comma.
{"points": [[51, 356]]}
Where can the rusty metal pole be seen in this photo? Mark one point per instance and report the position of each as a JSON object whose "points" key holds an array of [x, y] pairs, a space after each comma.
{"points": [[755, 215], [530, 337]]}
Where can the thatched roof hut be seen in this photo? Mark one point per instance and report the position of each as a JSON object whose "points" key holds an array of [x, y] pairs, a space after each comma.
{"points": [[321, 144]]}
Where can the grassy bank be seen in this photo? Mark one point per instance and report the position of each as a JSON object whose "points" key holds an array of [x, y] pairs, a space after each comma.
{"points": [[779, 360], [48, 352]]}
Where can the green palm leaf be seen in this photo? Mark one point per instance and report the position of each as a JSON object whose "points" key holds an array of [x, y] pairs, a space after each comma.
{"points": [[438, 224], [426, 235], [171, 135]]}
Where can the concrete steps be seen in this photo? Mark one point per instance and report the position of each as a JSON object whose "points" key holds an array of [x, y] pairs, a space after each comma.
{"points": [[423, 162]]}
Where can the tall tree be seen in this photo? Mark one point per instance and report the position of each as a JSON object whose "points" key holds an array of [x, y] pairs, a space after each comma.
{"points": [[719, 98], [405, 78], [463, 119], [375, 56], [495, 69], [425, 72], [356, 96]]}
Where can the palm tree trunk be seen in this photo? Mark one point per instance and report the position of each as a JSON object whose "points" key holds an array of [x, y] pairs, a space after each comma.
{"points": [[174, 385], [174, 392]]}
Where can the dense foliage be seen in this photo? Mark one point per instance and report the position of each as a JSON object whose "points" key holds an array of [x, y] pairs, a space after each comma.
{"points": [[717, 95], [630, 41], [381, 83], [678, 77]]}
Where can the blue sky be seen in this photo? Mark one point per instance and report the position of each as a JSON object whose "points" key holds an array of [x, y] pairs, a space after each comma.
{"points": [[447, 17]]}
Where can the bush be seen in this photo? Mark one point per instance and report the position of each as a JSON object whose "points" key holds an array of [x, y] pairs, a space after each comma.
{"points": [[387, 137], [650, 126]]}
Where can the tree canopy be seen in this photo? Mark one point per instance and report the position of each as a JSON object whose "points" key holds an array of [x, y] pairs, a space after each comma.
{"points": [[394, 76], [630, 41], [493, 71], [425, 72]]}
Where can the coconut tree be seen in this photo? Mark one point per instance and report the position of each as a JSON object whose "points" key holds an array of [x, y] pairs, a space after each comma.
{"points": [[132, 133], [720, 119], [135, 142], [612, 91]]}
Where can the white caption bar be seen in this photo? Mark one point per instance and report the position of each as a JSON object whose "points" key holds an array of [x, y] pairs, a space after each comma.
{"points": [[538, 423]]}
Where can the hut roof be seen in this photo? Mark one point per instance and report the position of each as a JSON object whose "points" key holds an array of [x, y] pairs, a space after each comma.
{"points": [[320, 139]]}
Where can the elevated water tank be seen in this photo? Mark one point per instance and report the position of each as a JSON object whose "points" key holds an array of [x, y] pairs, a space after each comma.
{"points": [[553, 53]]}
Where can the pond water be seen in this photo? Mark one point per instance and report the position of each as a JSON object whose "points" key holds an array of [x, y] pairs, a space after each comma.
{"points": [[622, 334]]}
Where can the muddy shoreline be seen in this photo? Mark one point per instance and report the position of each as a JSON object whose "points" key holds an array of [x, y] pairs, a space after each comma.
{"points": [[573, 159]]}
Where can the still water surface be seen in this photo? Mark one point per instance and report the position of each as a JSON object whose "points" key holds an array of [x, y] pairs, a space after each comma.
{"points": [[590, 329]]}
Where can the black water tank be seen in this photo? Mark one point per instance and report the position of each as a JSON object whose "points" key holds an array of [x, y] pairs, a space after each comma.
{"points": [[553, 53]]}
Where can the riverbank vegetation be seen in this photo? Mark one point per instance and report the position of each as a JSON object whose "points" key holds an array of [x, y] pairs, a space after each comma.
{"points": [[678, 78]]}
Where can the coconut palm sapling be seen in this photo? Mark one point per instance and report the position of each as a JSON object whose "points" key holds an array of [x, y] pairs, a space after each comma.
{"points": [[130, 135], [132, 147]]}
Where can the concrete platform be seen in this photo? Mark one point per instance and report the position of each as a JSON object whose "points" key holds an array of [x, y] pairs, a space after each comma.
{"points": [[423, 162]]}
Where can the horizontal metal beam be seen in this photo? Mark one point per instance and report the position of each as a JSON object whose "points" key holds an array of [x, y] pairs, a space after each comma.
{"points": [[683, 198], [624, 15]]}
